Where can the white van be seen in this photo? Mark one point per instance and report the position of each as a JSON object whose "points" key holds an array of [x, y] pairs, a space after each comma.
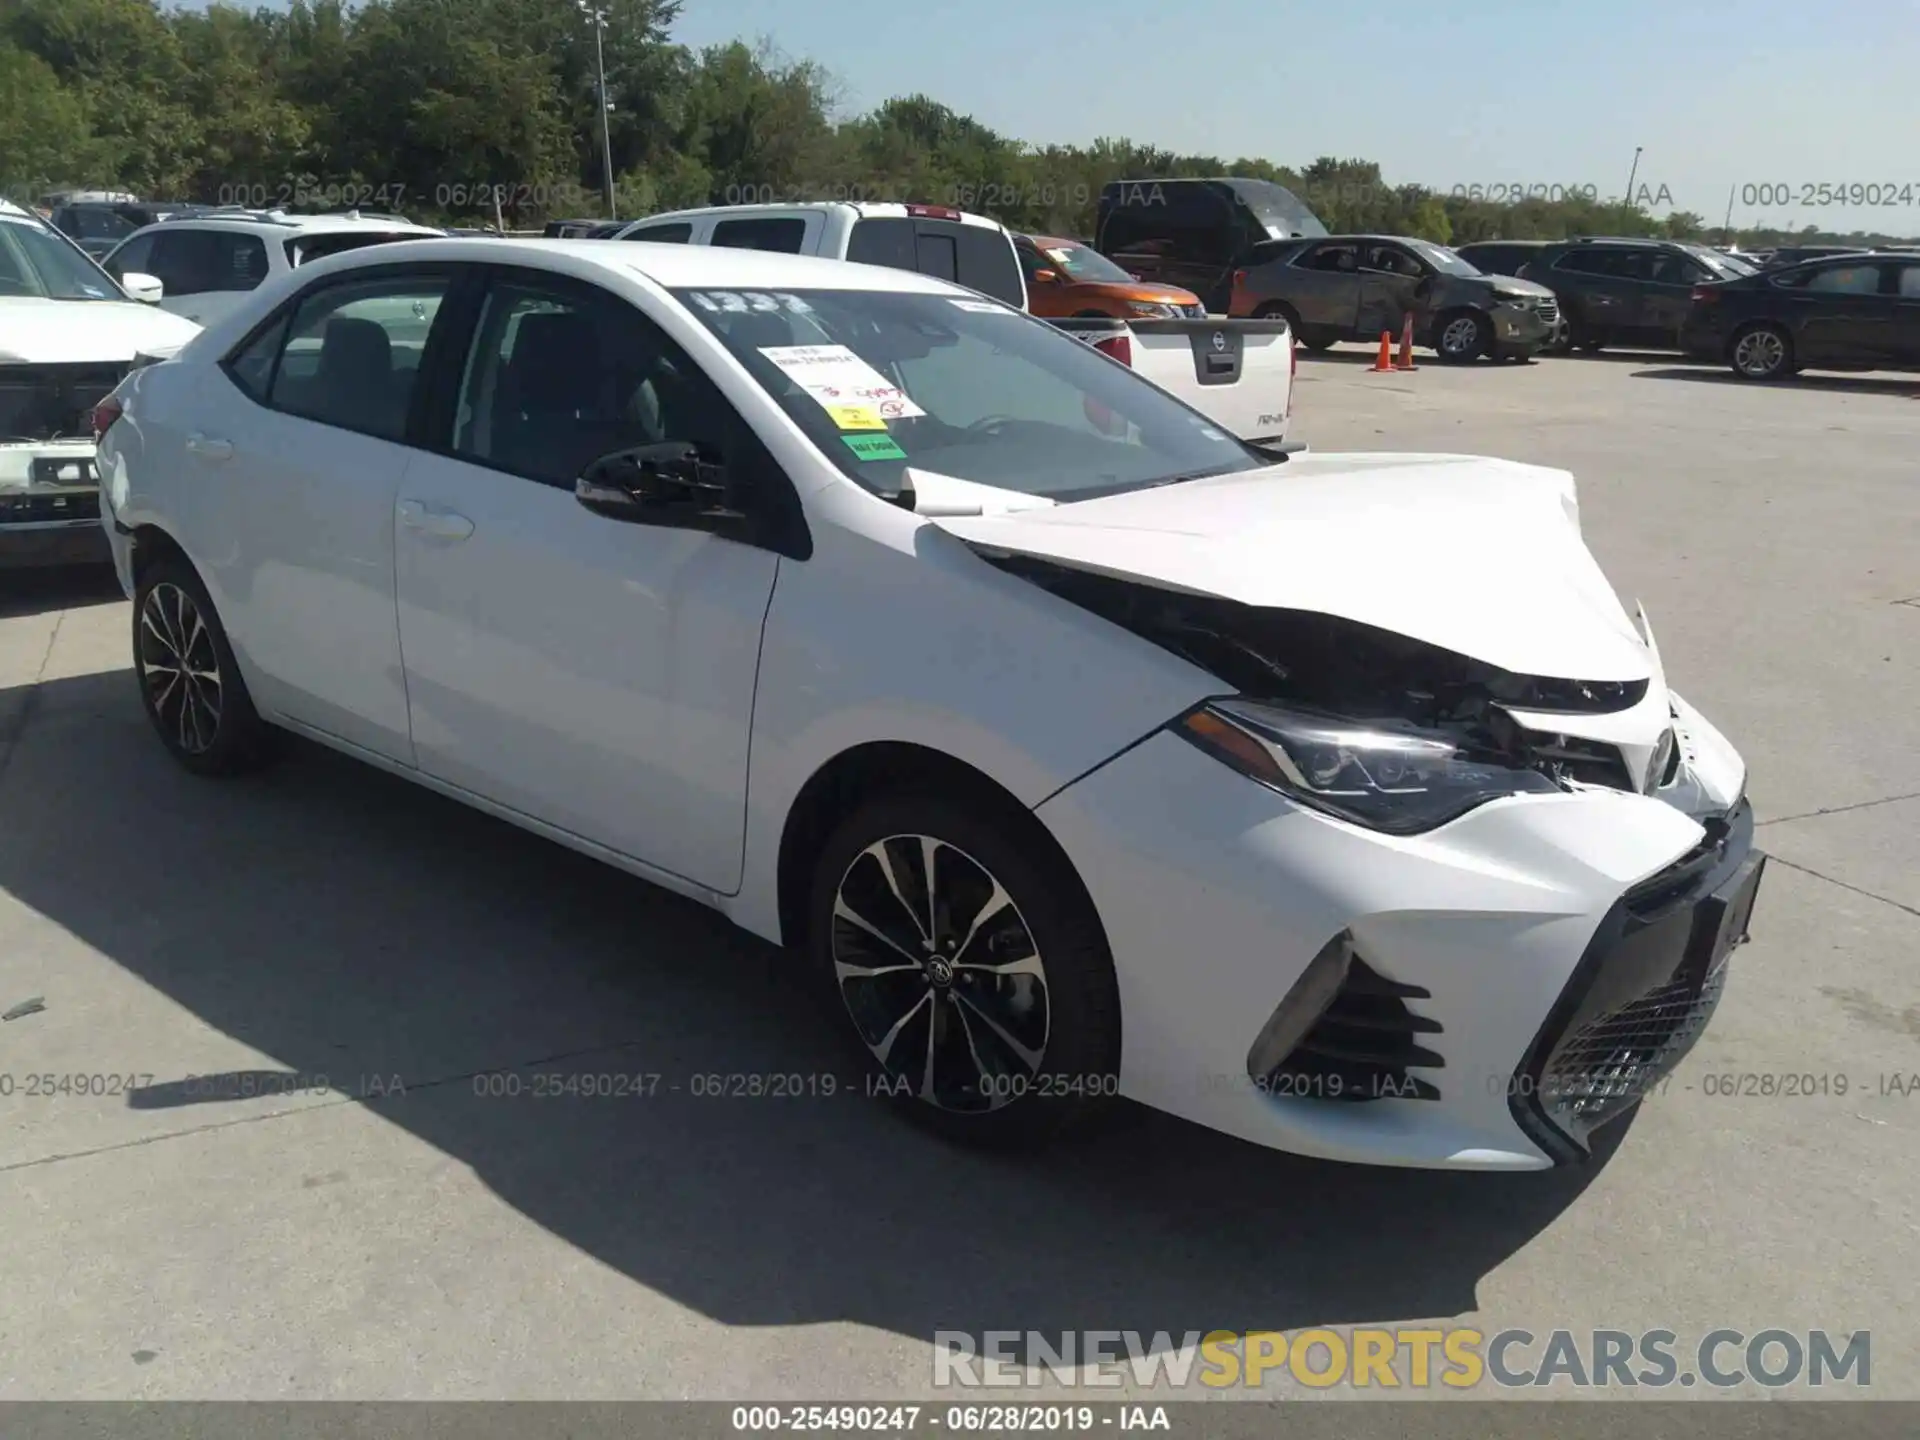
{"points": [[935, 240]]}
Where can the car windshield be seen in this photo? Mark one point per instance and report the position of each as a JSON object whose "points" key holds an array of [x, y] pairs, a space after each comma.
{"points": [[1447, 262], [35, 261], [1080, 263], [962, 386]]}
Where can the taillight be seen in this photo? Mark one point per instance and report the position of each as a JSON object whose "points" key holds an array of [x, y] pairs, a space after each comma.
{"points": [[1120, 347], [1239, 278], [934, 212], [1704, 293], [104, 414]]}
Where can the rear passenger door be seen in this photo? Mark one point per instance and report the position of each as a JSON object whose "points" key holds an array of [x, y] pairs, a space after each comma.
{"points": [[1907, 314], [1595, 291], [980, 257], [1323, 285], [296, 452], [1666, 296]]}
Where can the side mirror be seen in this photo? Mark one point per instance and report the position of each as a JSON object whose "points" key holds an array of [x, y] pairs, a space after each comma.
{"points": [[669, 484], [140, 286], [1046, 277]]}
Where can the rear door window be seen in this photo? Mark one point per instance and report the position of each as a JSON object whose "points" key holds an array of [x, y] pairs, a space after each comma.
{"points": [[782, 233], [1595, 261], [985, 262], [1845, 280], [678, 233]]}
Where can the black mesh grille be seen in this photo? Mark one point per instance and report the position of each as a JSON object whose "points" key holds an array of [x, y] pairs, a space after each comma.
{"points": [[1365, 1045], [31, 507], [1591, 762], [1612, 1062], [48, 402]]}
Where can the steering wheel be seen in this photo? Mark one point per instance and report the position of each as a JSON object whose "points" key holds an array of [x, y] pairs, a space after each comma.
{"points": [[987, 424]]}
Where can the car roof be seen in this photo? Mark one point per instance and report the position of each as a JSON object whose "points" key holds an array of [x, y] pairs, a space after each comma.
{"points": [[286, 227], [865, 210], [674, 267], [1487, 244]]}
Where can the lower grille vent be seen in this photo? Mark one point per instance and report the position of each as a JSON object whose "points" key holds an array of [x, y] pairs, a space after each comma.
{"points": [[1365, 1045]]}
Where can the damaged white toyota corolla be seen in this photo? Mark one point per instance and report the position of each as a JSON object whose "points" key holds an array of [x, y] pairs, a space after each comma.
{"points": [[1334, 802]]}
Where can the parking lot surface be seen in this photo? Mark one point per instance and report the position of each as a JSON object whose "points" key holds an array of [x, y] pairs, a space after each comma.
{"points": [[294, 1177]]}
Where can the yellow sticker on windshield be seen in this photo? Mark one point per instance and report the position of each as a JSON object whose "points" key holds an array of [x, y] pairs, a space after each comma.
{"points": [[856, 417]]}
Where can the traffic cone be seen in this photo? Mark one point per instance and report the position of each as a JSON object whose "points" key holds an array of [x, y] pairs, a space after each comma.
{"points": [[1385, 362], [1406, 345]]}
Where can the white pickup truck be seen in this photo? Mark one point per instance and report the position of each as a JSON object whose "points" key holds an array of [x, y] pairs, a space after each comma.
{"points": [[1238, 372]]}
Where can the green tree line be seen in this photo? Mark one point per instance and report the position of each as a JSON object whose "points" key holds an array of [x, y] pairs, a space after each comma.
{"points": [[458, 111]]}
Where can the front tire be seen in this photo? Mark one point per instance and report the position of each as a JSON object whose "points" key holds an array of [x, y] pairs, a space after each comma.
{"points": [[190, 686], [1462, 337], [971, 966], [1761, 352]]}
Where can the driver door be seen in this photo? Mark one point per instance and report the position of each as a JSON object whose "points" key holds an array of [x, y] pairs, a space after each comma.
{"points": [[595, 674], [1391, 282]]}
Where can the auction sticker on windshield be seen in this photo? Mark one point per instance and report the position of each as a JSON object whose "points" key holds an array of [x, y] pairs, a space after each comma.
{"points": [[877, 446], [834, 376], [856, 417]]}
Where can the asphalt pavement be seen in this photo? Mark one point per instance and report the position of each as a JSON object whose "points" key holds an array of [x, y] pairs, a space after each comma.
{"points": [[313, 1155]]}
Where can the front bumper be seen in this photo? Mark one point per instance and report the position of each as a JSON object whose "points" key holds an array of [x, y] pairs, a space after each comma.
{"points": [[49, 509], [1521, 327], [1484, 955]]}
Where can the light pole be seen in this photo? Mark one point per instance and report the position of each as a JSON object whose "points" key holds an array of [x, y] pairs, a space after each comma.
{"points": [[598, 19], [1633, 172]]}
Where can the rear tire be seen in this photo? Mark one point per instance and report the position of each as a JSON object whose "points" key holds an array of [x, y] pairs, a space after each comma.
{"points": [[190, 686], [1280, 310], [1761, 352], [983, 1004]]}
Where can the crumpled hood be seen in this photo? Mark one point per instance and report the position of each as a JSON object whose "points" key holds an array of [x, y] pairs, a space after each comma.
{"points": [[1481, 557], [34, 331], [1515, 288]]}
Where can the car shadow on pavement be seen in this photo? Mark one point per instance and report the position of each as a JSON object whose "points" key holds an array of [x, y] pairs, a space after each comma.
{"points": [[345, 923], [37, 591], [1846, 384]]}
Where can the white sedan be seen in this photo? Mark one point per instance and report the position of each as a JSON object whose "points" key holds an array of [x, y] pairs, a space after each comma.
{"points": [[1334, 802]]}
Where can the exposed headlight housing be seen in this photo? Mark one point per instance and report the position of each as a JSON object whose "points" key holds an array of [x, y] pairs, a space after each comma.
{"points": [[1398, 779], [1153, 309]]}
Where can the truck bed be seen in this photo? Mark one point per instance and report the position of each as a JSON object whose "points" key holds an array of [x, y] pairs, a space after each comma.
{"points": [[1238, 373]]}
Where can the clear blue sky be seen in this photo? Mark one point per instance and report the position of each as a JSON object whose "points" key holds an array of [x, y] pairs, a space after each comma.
{"points": [[1457, 93]]}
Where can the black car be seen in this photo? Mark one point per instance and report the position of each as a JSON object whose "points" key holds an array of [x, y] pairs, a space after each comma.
{"points": [[1848, 312], [1793, 254], [1356, 287], [97, 226], [1500, 257], [1627, 292], [1191, 234]]}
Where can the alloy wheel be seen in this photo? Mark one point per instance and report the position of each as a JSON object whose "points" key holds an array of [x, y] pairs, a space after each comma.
{"points": [[940, 973], [180, 668], [1461, 337], [1759, 353]]}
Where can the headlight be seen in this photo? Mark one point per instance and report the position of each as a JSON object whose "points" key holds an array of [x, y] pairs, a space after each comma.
{"points": [[1402, 781], [1152, 308]]}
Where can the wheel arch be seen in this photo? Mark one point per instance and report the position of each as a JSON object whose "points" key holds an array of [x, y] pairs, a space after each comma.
{"points": [[151, 542], [883, 767]]}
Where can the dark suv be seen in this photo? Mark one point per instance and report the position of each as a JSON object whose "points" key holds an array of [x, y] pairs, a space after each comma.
{"points": [[1633, 293], [1844, 312], [1355, 287]]}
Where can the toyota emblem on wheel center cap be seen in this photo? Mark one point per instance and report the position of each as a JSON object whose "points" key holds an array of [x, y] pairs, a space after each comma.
{"points": [[940, 971]]}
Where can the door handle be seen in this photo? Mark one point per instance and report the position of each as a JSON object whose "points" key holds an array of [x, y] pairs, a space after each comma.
{"points": [[441, 524], [208, 448]]}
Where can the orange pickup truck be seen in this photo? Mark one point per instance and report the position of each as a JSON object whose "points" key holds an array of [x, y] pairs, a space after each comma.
{"points": [[1066, 279]]}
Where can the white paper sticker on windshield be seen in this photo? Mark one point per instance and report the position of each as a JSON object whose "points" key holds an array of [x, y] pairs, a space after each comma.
{"points": [[982, 307], [1060, 257], [836, 377]]}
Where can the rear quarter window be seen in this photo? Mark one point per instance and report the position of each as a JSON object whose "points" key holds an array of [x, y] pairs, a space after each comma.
{"points": [[784, 234]]}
